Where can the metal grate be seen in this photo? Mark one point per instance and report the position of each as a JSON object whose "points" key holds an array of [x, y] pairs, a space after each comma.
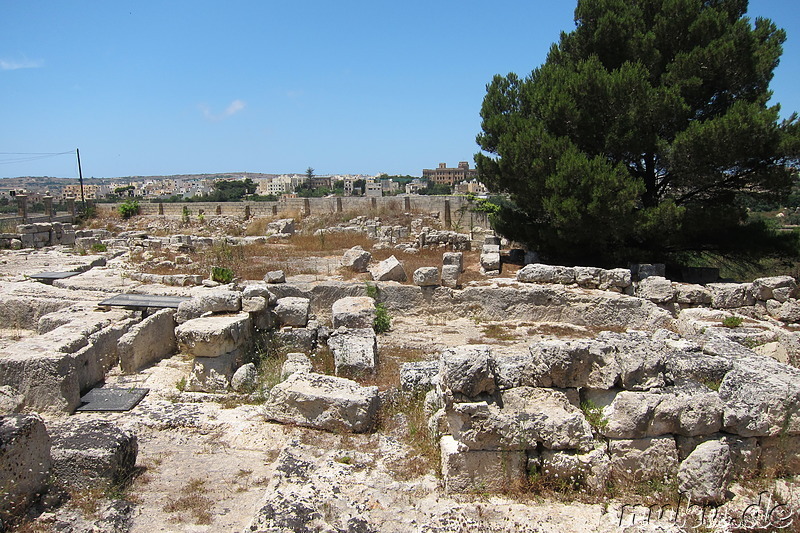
{"points": [[101, 399]]}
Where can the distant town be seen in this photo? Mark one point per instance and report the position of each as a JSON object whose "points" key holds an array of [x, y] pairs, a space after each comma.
{"points": [[460, 179]]}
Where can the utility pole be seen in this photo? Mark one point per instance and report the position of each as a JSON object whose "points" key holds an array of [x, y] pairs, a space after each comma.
{"points": [[80, 179]]}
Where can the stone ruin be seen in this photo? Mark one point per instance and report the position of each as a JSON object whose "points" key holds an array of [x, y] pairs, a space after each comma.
{"points": [[665, 393]]}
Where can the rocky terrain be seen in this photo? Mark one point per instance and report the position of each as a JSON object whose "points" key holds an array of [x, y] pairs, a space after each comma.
{"points": [[380, 373]]}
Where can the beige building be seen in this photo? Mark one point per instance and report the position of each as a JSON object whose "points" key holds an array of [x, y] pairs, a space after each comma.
{"points": [[450, 176], [90, 192]]}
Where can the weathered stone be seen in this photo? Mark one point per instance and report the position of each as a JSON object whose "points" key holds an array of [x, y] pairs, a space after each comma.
{"points": [[426, 277], [656, 289], [11, 401], [212, 374], [780, 456], [282, 226], [788, 311], [292, 311], [591, 469], [450, 275], [731, 295], [254, 305], [654, 458], [295, 362], [762, 398], [588, 277], [214, 336], [744, 451], [297, 339], [690, 294], [148, 341], [353, 312], [354, 351], [465, 470], [705, 474], [646, 270], [356, 259], [528, 416], [568, 364], [455, 259], [275, 277], [91, 453], [763, 289], [323, 402], [389, 270], [24, 462], [615, 279], [259, 289], [490, 262], [418, 376], [218, 301], [540, 273], [245, 378], [468, 370]]}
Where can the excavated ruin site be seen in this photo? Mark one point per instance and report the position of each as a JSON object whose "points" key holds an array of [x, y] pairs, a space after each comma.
{"points": [[376, 372]]}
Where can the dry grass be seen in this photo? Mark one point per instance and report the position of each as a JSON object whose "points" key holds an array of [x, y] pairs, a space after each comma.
{"points": [[387, 371], [403, 415], [191, 502]]}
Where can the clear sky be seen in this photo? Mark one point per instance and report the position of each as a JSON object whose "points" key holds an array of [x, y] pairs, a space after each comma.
{"points": [[178, 87]]}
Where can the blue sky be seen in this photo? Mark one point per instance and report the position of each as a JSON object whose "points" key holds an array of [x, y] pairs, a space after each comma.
{"points": [[173, 87]]}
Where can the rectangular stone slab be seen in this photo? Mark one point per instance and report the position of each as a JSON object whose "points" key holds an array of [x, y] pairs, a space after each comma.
{"points": [[49, 277], [140, 301], [111, 399]]}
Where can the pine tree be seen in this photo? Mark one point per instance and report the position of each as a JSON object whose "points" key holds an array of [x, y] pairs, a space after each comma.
{"points": [[639, 136]]}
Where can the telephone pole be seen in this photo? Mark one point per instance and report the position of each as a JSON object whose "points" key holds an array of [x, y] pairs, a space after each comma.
{"points": [[80, 178]]}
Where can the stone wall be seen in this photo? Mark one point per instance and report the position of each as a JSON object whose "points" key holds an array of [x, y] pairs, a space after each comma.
{"points": [[38, 235]]}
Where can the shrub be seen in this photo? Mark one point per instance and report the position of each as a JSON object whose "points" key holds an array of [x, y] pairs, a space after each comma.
{"points": [[732, 322], [383, 322], [129, 208], [221, 274], [99, 247], [593, 414]]}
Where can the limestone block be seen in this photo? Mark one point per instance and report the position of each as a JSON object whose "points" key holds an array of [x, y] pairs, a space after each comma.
{"points": [[218, 301], [468, 370], [148, 341], [788, 311], [323, 402], [245, 378], [353, 312], [48, 380], [588, 277], [615, 279], [354, 351], [763, 289], [356, 259], [295, 362], [528, 416], [389, 270], [259, 289], [297, 339], [91, 453], [212, 374], [465, 470], [656, 289], [214, 335], [731, 295], [745, 452], [426, 277], [283, 225], [450, 275], [11, 401], [418, 376], [761, 398], [490, 262], [635, 460], [24, 463], [705, 474], [454, 258], [591, 469], [254, 305], [541, 273], [275, 277], [292, 311], [691, 294]]}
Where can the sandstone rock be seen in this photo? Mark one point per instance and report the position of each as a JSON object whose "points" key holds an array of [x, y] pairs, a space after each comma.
{"points": [[214, 336], [245, 378], [24, 462], [426, 277], [654, 458], [656, 289], [450, 275], [731, 295], [91, 453], [354, 351], [705, 474], [763, 289], [292, 311], [323, 402], [418, 376], [353, 312], [148, 341], [295, 362], [275, 277], [389, 270], [468, 370], [356, 259], [465, 470], [528, 416]]}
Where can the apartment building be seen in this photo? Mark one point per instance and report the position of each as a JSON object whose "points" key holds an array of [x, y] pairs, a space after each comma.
{"points": [[450, 176]]}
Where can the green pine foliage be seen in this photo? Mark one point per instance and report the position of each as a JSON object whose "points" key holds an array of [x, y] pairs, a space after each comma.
{"points": [[642, 135]]}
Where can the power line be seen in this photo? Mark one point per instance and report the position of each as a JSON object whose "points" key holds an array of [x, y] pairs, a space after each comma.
{"points": [[28, 156]]}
